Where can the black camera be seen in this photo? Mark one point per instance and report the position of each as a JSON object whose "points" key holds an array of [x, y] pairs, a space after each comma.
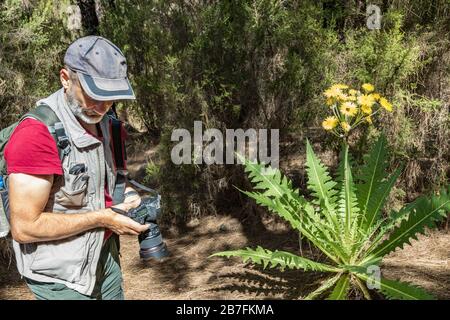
{"points": [[151, 242]]}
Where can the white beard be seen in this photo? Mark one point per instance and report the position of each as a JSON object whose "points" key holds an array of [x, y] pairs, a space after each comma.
{"points": [[78, 111]]}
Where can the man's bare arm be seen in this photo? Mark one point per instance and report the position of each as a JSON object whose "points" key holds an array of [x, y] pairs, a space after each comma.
{"points": [[28, 195]]}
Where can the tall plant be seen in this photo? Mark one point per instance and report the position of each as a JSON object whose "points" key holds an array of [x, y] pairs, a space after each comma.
{"points": [[344, 218]]}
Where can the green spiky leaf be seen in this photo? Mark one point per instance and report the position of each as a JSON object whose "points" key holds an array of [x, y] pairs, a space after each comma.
{"points": [[319, 180], [280, 259], [403, 291], [348, 203], [395, 289], [424, 212], [372, 173], [276, 192], [340, 291], [274, 205], [269, 180], [374, 186]]}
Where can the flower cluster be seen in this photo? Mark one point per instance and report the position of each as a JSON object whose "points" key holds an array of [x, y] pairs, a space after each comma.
{"points": [[352, 107]]}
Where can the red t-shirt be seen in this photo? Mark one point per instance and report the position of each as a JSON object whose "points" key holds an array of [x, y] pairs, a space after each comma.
{"points": [[32, 150]]}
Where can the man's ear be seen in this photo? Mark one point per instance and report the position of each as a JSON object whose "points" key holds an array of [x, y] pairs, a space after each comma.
{"points": [[64, 77]]}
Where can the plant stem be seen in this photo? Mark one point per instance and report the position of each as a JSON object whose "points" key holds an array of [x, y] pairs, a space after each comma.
{"points": [[300, 243]]}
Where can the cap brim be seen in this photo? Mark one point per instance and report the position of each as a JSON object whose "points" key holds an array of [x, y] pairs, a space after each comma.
{"points": [[102, 89]]}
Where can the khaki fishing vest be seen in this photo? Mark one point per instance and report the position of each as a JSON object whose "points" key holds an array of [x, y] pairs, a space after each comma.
{"points": [[73, 261]]}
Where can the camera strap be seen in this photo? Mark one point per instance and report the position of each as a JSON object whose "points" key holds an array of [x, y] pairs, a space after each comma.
{"points": [[119, 211], [142, 187]]}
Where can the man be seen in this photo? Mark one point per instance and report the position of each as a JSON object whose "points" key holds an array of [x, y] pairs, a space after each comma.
{"points": [[61, 221]]}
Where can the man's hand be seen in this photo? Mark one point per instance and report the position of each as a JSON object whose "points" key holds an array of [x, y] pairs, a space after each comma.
{"points": [[121, 224]]}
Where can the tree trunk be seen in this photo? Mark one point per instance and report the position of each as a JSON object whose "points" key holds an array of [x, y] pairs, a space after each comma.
{"points": [[89, 18]]}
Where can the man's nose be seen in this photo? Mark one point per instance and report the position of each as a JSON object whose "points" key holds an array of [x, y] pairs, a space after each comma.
{"points": [[101, 107]]}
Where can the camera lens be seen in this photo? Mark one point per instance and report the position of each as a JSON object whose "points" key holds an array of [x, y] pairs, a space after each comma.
{"points": [[152, 244]]}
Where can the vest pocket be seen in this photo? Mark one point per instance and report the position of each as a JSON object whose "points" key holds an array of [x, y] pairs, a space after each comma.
{"points": [[73, 193], [62, 259]]}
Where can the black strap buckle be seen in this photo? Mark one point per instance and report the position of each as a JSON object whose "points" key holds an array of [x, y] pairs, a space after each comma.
{"points": [[63, 141]]}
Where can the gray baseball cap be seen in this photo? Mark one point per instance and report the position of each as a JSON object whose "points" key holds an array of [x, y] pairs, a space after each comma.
{"points": [[101, 68]]}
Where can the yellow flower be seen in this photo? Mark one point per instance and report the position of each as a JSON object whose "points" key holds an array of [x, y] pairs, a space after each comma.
{"points": [[366, 109], [345, 126], [329, 123], [349, 109], [335, 91], [368, 87], [332, 92], [343, 97], [366, 100], [352, 92], [330, 101], [385, 104], [351, 98], [376, 96], [368, 119]]}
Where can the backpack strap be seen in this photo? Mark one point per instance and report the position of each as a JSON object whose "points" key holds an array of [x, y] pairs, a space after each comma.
{"points": [[118, 142], [46, 115], [118, 148], [120, 156]]}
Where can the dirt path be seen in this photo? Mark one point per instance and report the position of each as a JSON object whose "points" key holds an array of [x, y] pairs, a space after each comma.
{"points": [[188, 274]]}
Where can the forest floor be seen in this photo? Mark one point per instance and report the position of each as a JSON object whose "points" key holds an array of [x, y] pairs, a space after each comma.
{"points": [[188, 273]]}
